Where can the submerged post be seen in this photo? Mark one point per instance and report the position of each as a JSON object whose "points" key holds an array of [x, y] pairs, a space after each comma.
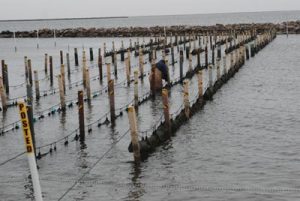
{"points": [[37, 86], [186, 100], [134, 134], [88, 85], [127, 70], [100, 65], [51, 70], [111, 94], [68, 65], [62, 72], [200, 84], [91, 54], [181, 64], [61, 93], [29, 72], [165, 99], [76, 56], [81, 116], [136, 89], [61, 57], [46, 63], [3, 95]]}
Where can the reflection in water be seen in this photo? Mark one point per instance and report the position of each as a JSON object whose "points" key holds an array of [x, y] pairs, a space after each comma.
{"points": [[137, 189], [28, 188]]}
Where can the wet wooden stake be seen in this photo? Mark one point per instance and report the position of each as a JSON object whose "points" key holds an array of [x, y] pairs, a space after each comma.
{"points": [[200, 84], [6, 83], [129, 60], [134, 134], [3, 95], [186, 100], [190, 62], [165, 100], [224, 65], [83, 68], [51, 70], [108, 71], [29, 72], [127, 70], [141, 63], [37, 86], [61, 93], [181, 65], [136, 89], [210, 80], [46, 63], [218, 69], [63, 77], [115, 65], [91, 54], [104, 50], [68, 65], [26, 68], [76, 56], [122, 51], [81, 116], [88, 85], [111, 94], [100, 64], [61, 57], [152, 83], [206, 57]]}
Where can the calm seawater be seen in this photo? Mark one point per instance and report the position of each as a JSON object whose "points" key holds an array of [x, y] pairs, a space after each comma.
{"points": [[244, 145], [198, 19]]}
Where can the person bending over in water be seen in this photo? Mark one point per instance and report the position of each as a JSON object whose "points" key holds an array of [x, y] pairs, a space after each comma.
{"points": [[158, 74]]}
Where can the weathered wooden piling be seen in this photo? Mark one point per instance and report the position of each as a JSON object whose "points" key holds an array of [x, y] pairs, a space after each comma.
{"points": [[100, 64], [51, 70], [136, 89], [3, 95], [91, 54], [166, 107], [122, 51], [68, 65], [63, 77], [76, 56], [46, 63], [61, 53], [134, 134], [61, 93], [200, 83], [6, 81], [37, 86], [210, 79], [115, 64], [190, 62], [29, 72], [152, 79], [83, 68], [141, 63], [186, 98], [81, 116], [127, 70], [108, 72], [26, 68], [111, 94], [206, 57], [218, 69], [88, 85], [181, 64], [129, 62]]}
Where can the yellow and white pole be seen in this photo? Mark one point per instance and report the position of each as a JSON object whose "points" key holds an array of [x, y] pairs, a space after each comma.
{"points": [[30, 152]]}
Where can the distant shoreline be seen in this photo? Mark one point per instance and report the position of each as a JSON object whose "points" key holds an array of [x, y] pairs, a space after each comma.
{"points": [[58, 19]]}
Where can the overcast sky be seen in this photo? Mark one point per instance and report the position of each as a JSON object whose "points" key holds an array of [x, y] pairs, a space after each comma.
{"points": [[33, 9]]}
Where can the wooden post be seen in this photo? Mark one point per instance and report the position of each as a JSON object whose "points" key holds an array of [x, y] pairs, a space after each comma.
{"points": [[141, 63], [6, 83], [172, 54], [181, 64], [3, 95], [108, 72], [36, 83], [63, 78], [76, 56], [224, 65], [68, 65], [81, 116], [127, 70], [111, 94], [51, 70], [46, 63], [104, 50], [152, 79], [210, 80], [88, 86], [100, 65], [26, 68], [136, 89], [122, 51], [190, 62], [83, 68], [165, 99], [218, 69], [134, 134], [91, 54], [186, 98], [206, 57], [61, 93], [200, 83], [61, 57], [29, 72], [115, 64]]}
